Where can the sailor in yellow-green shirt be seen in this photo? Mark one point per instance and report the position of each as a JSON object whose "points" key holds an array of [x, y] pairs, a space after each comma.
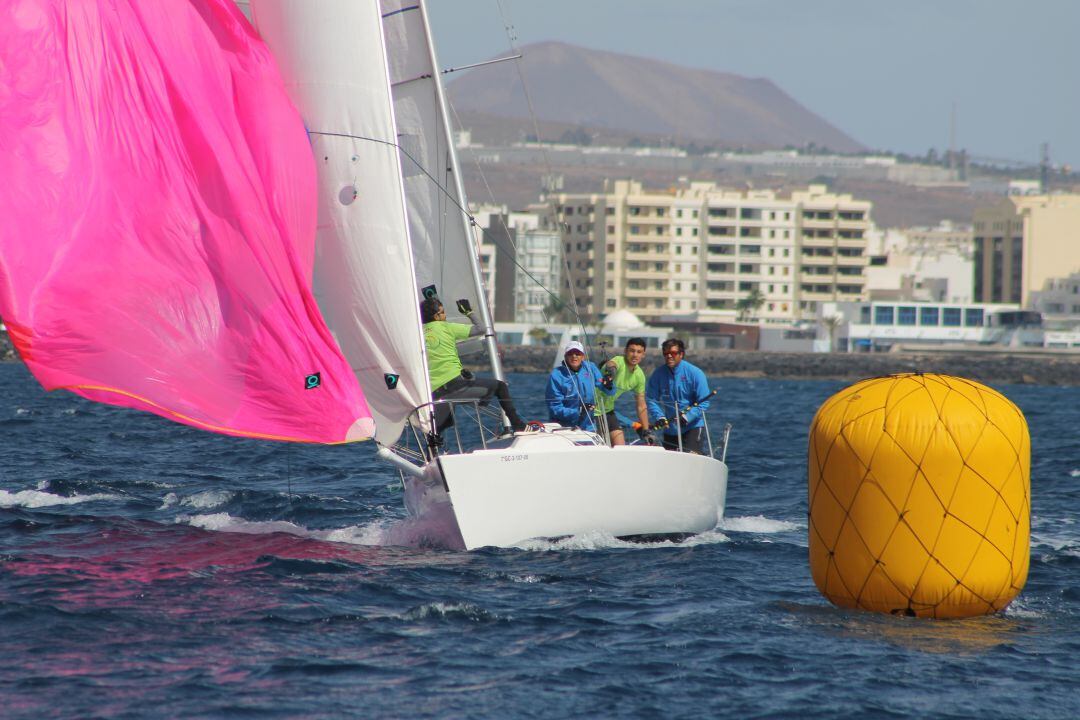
{"points": [[624, 375], [448, 380]]}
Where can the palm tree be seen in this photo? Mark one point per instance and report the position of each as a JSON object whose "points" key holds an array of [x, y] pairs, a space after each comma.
{"points": [[749, 305]]}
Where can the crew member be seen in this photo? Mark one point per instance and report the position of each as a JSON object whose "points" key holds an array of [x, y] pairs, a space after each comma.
{"points": [[624, 374], [448, 380], [678, 395], [571, 389]]}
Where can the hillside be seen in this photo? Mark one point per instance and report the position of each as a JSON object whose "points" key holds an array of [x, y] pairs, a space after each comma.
{"points": [[600, 90]]}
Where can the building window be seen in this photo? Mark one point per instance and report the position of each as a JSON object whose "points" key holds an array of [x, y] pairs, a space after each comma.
{"points": [[610, 303], [905, 315], [928, 316], [611, 229], [883, 315], [973, 317], [950, 317], [864, 315]]}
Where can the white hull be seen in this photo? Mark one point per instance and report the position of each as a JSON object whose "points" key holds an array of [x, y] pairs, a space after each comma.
{"points": [[547, 485]]}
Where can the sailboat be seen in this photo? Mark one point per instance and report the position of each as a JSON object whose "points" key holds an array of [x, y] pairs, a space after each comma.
{"points": [[391, 227]]}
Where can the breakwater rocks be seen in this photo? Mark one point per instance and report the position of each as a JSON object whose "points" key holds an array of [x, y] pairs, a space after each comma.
{"points": [[1029, 368], [986, 367]]}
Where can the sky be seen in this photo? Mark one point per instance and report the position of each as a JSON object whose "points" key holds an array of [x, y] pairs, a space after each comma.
{"points": [[889, 73]]}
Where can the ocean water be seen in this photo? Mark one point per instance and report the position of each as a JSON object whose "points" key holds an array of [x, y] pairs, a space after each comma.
{"points": [[149, 570]]}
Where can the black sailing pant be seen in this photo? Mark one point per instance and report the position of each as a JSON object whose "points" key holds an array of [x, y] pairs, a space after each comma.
{"points": [[482, 389]]}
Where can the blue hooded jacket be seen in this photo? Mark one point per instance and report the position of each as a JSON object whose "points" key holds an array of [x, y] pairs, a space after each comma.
{"points": [[568, 392], [683, 386]]}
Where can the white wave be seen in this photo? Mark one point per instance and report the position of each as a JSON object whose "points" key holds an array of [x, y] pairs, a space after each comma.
{"points": [[38, 499], [758, 524], [224, 522], [1017, 609], [1074, 473], [371, 534], [207, 499], [200, 501], [598, 540]]}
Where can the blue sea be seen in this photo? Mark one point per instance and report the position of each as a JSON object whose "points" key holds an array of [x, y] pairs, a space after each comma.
{"points": [[150, 570]]}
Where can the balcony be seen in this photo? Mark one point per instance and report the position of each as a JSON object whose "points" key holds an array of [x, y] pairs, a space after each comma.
{"points": [[645, 293], [647, 274]]}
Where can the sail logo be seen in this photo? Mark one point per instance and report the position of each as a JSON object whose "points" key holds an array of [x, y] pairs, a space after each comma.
{"points": [[312, 381], [391, 381], [429, 292]]}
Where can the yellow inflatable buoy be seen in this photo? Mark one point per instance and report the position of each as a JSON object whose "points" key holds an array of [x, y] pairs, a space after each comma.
{"points": [[920, 497]]}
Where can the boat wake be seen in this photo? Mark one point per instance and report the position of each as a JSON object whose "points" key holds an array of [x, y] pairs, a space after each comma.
{"points": [[409, 532]]}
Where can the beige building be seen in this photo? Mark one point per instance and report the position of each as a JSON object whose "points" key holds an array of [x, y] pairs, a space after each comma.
{"points": [[698, 250], [1022, 243]]}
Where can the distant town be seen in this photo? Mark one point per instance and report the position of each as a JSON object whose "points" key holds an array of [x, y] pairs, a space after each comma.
{"points": [[793, 265]]}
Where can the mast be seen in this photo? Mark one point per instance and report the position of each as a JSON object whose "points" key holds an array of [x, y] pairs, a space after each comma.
{"points": [[467, 223]]}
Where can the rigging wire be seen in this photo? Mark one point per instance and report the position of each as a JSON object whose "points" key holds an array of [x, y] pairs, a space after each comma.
{"points": [[511, 37], [453, 200]]}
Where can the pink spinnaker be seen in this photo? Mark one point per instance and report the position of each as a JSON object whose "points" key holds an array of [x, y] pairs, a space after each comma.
{"points": [[157, 219]]}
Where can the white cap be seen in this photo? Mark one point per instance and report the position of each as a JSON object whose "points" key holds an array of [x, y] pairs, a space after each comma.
{"points": [[574, 345]]}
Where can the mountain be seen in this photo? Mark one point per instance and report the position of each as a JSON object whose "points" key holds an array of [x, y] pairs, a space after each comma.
{"points": [[604, 90]]}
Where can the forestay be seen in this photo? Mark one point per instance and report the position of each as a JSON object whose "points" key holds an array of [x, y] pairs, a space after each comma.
{"points": [[332, 57], [158, 215]]}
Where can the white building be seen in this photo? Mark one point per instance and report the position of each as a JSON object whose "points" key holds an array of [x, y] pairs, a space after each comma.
{"points": [[923, 264]]}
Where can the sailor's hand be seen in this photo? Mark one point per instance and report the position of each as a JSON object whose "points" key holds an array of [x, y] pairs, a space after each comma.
{"points": [[661, 423], [464, 307], [682, 418], [648, 437], [609, 367]]}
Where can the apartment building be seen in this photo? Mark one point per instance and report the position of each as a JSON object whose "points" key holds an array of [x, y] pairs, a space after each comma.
{"points": [[1024, 242], [699, 249], [520, 263]]}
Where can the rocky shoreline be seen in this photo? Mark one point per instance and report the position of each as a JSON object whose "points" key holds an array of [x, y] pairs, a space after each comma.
{"points": [[986, 367]]}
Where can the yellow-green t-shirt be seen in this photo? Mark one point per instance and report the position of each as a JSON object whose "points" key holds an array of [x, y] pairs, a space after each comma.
{"points": [[624, 381], [441, 339]]}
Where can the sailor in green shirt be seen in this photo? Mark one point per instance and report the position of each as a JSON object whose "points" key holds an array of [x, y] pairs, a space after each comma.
{"points": [[624, 375], [448, 380]]}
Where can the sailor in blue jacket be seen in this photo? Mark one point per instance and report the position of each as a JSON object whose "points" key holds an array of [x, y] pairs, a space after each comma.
{"points": [[671, 392], [571, 389]]}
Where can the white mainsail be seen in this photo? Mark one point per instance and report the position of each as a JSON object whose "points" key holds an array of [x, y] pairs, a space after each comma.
{"points": [[443, 240], [333, 60]]}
